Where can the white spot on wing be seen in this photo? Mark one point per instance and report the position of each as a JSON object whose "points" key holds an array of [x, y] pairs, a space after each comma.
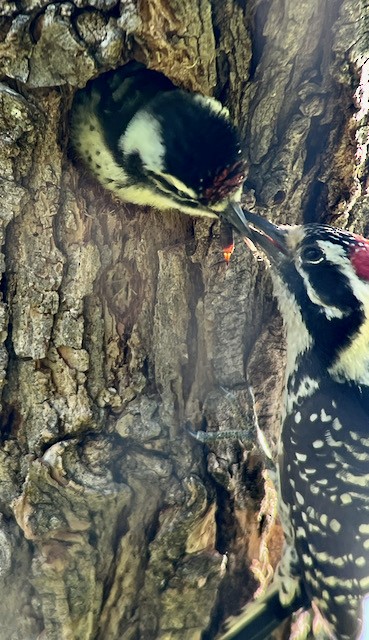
{"points": [[339, 599], [307, 560], [143, 136], [364, 583], [322, 481], [299, 498], [324, 417], [318, 444], [301, 457], [364, 528], [336, 424], [332, 581], [335, 525], [359, 480]]}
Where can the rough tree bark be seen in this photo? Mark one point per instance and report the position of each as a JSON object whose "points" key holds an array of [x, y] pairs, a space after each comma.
{"points": [[119, 324]]}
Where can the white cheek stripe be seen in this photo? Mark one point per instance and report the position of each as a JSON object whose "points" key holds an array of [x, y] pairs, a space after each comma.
{"points": [[353, 362], [178, 184], [329, 311]]}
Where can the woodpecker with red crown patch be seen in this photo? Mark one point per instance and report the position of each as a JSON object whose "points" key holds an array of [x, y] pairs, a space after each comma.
{"points": [[321, 280], [153, 144]]}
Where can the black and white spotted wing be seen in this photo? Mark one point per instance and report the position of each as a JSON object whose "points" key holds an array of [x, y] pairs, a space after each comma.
{"points": [[324, 470]]}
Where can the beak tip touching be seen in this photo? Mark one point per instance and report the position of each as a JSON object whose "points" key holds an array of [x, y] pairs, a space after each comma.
{"points": [[235, 215], [258, 232]]}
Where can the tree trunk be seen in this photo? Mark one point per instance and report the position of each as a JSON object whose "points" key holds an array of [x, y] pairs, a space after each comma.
{"points": [[119, 324]]}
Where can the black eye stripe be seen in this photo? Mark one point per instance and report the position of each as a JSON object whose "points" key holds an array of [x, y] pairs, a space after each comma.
{"points": [[167, 187], [164, 183]]}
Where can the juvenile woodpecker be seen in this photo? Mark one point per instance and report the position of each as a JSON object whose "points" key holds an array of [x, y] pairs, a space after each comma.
{"points": [[321, 280], [154, 144]]}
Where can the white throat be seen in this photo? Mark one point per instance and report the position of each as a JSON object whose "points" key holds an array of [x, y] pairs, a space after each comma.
{"points": [[299, 339]]}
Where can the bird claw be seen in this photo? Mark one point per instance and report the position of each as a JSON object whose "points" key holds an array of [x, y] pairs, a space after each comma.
{"points": [[217, 436], [320, 627], [301, 626], [310, 621], [245, 435]]}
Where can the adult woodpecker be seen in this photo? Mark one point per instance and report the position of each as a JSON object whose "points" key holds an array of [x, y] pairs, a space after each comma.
{"points": [[321, 280], [154, 144]]}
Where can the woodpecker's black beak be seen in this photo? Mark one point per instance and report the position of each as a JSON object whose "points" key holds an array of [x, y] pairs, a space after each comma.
{"points": [[269, 237], [235, 216]]}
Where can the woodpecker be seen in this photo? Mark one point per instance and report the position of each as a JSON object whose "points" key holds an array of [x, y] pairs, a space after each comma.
{"points": [[154, 144], [321, 280]]}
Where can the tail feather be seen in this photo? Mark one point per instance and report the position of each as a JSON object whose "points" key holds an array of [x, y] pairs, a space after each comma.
{"points": [[260, 618]]}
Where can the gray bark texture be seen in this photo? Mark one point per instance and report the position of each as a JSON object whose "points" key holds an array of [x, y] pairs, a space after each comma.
{"points": [[119, 324]]}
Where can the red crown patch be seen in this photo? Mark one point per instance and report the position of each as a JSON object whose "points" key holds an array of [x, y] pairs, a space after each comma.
{"points": [[225, 182]]}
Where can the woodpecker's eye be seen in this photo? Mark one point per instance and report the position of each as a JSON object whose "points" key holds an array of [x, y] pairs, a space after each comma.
{"points": [[311, 254]]}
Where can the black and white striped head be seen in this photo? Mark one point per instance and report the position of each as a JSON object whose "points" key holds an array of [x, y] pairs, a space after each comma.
{"points": [[156, 145], [183, 147], [321, 280]]}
